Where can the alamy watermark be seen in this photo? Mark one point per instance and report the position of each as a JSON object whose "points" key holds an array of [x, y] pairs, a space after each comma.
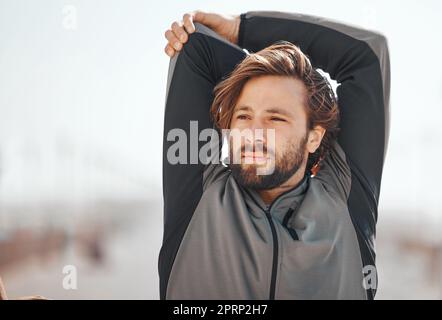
{"points": [[248, 147], [70, 280], [370, 280], [69, 13]]}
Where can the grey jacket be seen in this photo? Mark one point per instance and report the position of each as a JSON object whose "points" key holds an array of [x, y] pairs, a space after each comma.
{"points": [[315, 241]]}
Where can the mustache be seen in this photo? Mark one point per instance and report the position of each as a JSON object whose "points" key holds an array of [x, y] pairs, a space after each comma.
{"points": [[253, 148]]}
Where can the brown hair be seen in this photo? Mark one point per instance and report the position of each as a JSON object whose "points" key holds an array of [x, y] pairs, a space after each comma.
{"points": [[283, 59]]}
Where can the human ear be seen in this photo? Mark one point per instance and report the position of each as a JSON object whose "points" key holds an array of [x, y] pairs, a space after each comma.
{"points": [[314, 138]]}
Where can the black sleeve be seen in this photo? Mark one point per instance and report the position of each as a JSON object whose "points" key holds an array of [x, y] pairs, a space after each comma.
{"points": [[359, 61], [193, 73]]}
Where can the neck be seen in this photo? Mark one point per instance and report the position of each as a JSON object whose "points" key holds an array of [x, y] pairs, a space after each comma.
{"points": [[269, 195]]}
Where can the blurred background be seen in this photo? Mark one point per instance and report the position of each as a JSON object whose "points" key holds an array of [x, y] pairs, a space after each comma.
{"points": [[82, 88]]}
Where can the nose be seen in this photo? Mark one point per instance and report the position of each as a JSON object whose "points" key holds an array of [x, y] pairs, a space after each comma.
{"points": [[257, 132], [255, 139]]}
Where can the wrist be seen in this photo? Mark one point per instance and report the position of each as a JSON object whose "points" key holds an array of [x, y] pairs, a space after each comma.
{"points": [[237, 20]]}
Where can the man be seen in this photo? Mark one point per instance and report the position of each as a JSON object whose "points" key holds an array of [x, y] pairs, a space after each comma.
{"points": [[306, 229]]}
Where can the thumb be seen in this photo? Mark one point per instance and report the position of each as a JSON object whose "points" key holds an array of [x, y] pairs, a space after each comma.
{"points": [[208, 19]]}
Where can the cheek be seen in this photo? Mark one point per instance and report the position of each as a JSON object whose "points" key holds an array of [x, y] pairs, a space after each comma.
{"points": [[239, 125], [279, 145], [282, 139], [282, 148], [284, 142]]}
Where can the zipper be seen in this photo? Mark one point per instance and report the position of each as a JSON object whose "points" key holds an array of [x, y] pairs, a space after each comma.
{"points": [[275, 243], [275, 255]]}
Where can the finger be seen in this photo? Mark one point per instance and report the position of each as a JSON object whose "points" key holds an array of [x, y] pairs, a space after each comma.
{"points": [[188, 23], [179, 31], [211, 20], [199, 16], [173, 41], [206, 18], [169, 50]]}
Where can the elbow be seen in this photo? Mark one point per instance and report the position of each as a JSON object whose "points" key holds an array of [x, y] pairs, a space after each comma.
{"points": [[381, 42]]}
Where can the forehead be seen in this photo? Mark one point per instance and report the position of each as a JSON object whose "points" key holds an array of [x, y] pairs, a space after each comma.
{"points": [[269, 92]]}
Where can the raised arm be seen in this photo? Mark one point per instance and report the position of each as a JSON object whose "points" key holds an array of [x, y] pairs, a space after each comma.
{"points": [[193, 73], [357, 59]]}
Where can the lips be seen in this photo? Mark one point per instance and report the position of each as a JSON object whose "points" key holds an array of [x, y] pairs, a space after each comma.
{"points": [[252, 157]]}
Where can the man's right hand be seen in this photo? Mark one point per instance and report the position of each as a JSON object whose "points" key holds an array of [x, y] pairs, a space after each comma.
{"points": [[226, 26]]}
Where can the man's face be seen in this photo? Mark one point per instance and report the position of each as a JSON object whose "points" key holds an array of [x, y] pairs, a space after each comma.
{"points": [[274, 105]]}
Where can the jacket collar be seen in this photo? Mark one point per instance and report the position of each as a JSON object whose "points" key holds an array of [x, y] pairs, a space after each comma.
{"points": [[290, 199]]}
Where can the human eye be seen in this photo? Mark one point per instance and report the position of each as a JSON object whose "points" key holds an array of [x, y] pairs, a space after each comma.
{"points": [[242, 117], [277, 119]]}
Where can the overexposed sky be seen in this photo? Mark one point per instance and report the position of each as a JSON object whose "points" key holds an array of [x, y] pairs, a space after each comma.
{"points": [[75, 101]]}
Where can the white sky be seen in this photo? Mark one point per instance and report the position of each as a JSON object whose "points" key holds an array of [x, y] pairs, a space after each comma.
{"points": [[75, 101]]}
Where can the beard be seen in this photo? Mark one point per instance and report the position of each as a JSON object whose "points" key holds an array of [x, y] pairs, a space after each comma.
{"points": [[285, 166]]}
